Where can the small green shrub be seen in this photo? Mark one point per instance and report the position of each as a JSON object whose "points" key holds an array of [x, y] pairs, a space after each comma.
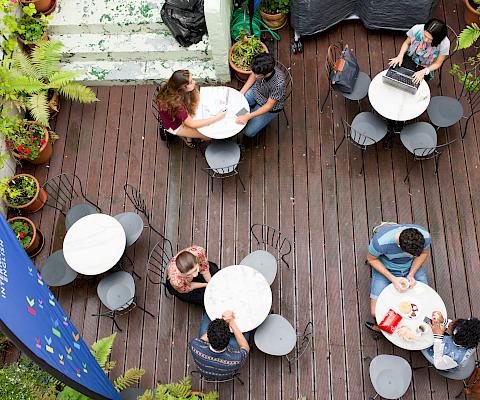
{"points": [[18, 191], [277, 6], [244, 51]]}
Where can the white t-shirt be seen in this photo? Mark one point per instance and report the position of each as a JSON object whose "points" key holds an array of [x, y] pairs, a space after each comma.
{"points": [[443, 47]]}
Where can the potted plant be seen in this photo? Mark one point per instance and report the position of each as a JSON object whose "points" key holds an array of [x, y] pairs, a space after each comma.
{"points": [[23, 192], [467, 73], [472, 11], [274, 13], [181, 391], [27, 234], [241, 54], [31, 28], [43, 6], [37, 81]]}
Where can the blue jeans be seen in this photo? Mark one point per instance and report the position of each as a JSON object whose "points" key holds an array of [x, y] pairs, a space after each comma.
{"points": [[204, 326], [380, 282], [256, 124]]}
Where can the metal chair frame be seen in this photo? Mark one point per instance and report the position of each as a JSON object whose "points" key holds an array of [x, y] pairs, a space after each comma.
{"points": [[122, 310], [63, 189], [161, 131], [303, 342], [235, 376], [224, 172], [158, 262], [427, 153], [288, 86], [120, 265], [455, 40], [270, 237]]}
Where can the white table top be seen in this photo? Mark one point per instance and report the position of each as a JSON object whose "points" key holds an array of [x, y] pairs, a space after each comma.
{"points": [[214, 99], [396, 104], [94, 244], [427, 301], [242, 290]]}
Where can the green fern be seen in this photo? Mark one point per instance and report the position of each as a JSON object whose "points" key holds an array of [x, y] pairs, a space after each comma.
{"points": [[148, 395], [26, 84], [131, 377], [109, 366], [46, 57], [182, 389], [77, 92], [37, 103], [22, 62], [60, 78], [161, 393], [212, 396], [468, 37], [102, 349]]}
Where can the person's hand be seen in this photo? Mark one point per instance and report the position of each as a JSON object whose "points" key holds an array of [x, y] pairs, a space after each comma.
{"points": [[220, 115], [437, 318], [418, 76], [412, 280], [397, 283], [228, 316], [242, 119], [438, 329], [395, 61]]}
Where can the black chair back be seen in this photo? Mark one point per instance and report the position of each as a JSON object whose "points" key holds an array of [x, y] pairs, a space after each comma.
{"points": [[158, 262], [266, 236], [355, 137], [303, 343], [203, 379], [137, 199], [288, 80], [224, 172], [62, 190]]}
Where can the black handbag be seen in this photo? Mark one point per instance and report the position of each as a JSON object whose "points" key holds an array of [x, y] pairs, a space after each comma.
{"points": [[343, 68]]}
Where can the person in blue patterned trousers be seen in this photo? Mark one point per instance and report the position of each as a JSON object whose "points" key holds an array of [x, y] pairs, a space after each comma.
{"points": [[396, 251]]}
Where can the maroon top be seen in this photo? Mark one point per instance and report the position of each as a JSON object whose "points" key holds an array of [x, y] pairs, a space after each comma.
{"points": [[169, 123]]}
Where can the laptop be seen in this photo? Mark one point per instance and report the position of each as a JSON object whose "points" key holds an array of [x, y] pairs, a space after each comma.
{"points": [[402, 78]]}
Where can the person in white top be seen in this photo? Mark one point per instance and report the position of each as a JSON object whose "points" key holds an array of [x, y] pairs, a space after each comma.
{"points": [[453, 341], [424, 50]]}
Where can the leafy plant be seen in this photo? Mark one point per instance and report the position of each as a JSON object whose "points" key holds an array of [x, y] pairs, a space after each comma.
{"points": [[181, 391], [31, 29], [277, 6], [467, 73], [23, 231], [243, 51], [26, 140], [476, 5], [4, 342], [35, 76], [18, 191]]}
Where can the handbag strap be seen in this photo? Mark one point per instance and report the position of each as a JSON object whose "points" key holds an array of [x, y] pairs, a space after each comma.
{"points": [[332, 51]]}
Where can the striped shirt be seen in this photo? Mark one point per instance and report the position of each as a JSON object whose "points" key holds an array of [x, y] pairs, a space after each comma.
{"points": [[384, 246], [272, 87], [213, 365]]}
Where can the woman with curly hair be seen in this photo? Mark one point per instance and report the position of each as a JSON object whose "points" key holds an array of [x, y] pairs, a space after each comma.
{"points": [[453, 342], [177, 102]]}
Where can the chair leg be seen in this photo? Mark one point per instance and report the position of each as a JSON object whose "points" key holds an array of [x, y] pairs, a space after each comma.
{"points": [[240, 179], [341, 142], [437, 159], [363, 166], [241, 382], [408, 173], [115, 322], [324, 101], [285, 113], [146, 311], [359, 106]]}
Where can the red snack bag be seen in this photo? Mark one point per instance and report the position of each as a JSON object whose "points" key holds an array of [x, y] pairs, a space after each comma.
{"points": [[390, 321]]}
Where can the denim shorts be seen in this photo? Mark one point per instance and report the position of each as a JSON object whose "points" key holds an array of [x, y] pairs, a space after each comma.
{"points": [[380, 282]]}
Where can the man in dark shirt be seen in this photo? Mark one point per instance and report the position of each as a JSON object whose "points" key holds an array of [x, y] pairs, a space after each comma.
{"points": [[217, 355], [264, 91]]}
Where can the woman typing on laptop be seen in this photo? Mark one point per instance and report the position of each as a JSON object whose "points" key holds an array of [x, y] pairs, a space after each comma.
{"points": [[424, 49]]}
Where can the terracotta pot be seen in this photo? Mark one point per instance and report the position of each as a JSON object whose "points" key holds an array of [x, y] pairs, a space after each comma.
{"points": [[274, 21], [241, 74], [37, 242], [38, 200], [44, 6], [44, 153], [471, 15]]}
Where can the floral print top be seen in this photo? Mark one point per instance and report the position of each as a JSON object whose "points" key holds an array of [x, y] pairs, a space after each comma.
{"points": [[177, 280]]}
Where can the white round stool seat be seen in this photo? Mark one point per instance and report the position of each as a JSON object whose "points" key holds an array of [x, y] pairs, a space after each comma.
{"points": [[275, 336], [264, 262], [390, 376]]}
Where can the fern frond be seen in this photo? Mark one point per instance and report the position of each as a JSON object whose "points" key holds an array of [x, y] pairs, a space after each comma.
{"points": [[60, 78], [148, 395], [77, 92], [161, 392], [108, 365], [181, 389], [37, 104], [468, 36], [24, 66], [211, 396], [131, 377], [102, 348], [46, 57], [26, 84]]}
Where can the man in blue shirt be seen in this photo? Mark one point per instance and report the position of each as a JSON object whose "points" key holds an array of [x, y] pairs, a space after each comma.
{"points": [[396, 251], [216, 353]]}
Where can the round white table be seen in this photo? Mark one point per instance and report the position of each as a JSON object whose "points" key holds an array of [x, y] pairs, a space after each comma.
{"points": [[214, 99], [242, 290], [94, 244], [396, 104], [427, 301]]}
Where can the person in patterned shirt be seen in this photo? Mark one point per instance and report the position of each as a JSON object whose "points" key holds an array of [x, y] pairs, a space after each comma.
{"points": [[189, 273], [264, 91]]}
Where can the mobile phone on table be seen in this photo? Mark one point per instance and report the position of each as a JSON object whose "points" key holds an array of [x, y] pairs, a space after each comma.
{"points": [[243, 111], [427, 320]]}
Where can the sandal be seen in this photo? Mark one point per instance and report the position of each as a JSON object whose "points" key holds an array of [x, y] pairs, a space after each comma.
{"points": [[189, 142], [373, 327]]}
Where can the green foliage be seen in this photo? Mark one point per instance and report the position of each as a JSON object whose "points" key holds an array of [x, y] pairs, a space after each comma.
{"points": [[4, 342], [244, 50], [467, 73], [23, 231], [24, 381], [102, 349], [131, 377], [177, 391], [276, 6], [477, 3], [26, 140], [18, 191], [31, 29]]}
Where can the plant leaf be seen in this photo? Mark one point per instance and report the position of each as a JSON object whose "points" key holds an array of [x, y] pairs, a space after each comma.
{"points": [[46, 57], [37, 103], [131, 377], [77, 92], [468, 36], [23, 64], [102, 348], [26, 84], [60, 78]]}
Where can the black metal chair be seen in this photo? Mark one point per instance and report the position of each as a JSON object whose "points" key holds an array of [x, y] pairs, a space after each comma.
{"points": [[62, 190], [303, 343], [203, 379], [158, 262], [453, 37], [288, 86], [117, 293], [161, 131], [269, 237]]}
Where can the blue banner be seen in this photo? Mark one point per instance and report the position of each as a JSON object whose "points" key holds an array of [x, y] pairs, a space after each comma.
{"points": [[32, 318]]}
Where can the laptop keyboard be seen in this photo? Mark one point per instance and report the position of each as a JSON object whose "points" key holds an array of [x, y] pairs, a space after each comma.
{"points": [[391, 73]]}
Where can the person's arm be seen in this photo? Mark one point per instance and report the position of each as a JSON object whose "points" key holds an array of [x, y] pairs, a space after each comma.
{"points": [[399, 58], [267, 107], [206, 275], [416, 264], [242, 342], [197, 285], [248, 84], [419, 75], [379, 267], [200, 123]]}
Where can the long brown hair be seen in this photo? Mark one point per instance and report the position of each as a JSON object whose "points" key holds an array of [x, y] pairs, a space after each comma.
{"points": [[172, 95]]}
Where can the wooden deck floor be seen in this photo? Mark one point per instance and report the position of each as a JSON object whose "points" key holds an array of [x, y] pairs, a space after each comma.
{"points": [[295, 183]]}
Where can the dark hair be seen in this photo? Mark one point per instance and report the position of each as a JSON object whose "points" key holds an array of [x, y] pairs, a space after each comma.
{"points": [[185, 261], [466, 332], [218, 334], [412, 241], [263, 64], [438, 30]]}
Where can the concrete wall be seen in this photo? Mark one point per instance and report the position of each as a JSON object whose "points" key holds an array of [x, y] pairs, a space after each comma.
{"points": [[217, 16]]}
